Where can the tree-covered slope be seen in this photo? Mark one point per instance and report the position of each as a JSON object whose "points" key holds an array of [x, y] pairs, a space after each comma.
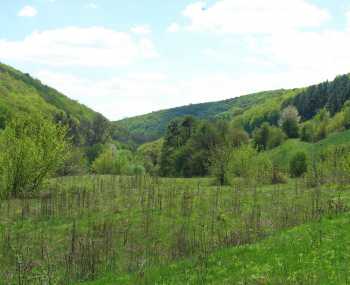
{"points": [[152, 126], [20, 92], [330, 95], [250, 110]]}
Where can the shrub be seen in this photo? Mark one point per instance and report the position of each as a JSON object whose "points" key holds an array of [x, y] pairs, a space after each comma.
{"points": [[33, 148], [104, 163], [276, 137], [298, 164], [307, 133]]}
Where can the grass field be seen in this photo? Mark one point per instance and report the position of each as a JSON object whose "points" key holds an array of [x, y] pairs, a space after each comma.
{"points": [[316, 253], [83, 228]]}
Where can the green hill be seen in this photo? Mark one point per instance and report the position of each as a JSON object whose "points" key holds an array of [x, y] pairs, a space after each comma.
{"points": [[20, 92], [152, 126], [283, 153]]}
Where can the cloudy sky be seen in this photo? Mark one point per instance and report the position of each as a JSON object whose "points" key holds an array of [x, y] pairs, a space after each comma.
{"points": [[124, 58]]}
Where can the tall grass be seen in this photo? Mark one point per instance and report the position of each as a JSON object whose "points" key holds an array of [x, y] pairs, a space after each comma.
{"points": [[80, 228]]}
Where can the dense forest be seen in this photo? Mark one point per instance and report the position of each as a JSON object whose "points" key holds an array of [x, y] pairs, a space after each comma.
{"points": [[152, 126], [174, 196]]}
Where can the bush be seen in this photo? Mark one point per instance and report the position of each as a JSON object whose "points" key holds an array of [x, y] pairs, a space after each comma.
{"points": [[75, 164], [298, 164], [241, 161], [276, 137], [33, 149], [261, 136], [307, 133], [136, 169], [104, 163]]}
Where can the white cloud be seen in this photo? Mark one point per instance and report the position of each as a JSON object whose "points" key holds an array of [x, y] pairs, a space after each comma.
{"points": [[173, 28], [141, 30], [115, 97], [135, 94], [324, 53], [254, 16], [73, 46], [27, 11]]}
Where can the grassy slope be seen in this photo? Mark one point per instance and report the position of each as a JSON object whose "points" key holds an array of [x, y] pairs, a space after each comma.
{"points": [[285, 152], [316, 253], [155, 123], [21, 93]]}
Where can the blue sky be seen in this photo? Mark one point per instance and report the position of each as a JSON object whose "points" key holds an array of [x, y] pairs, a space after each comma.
{"points": [[124, 58]]}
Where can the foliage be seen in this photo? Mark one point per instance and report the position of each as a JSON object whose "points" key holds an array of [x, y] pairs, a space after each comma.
{"points": [[115, 161], [75, 163], [289, 121], [329, 95], [261, 136], [21, 94], [105, 162], [33, 148], [150, 155], [268, 137], [152, 126], [308, 132], [298, 164], [189, 145]]}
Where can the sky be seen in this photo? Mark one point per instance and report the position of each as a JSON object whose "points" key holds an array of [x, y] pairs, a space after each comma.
{"points": [[126, 58]]}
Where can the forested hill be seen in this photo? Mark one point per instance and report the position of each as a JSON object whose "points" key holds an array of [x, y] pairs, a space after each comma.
{"points": [[153, 125], [20, 93]]}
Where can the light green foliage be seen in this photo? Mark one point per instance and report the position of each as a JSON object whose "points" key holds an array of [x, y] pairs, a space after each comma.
{"points": [[242, 161], [332, 165], [276, 137], [20, 94], [246, 163], [33, 148], [105, 162], [268, 137], [117, 161], [123, 162], [150, 155]]}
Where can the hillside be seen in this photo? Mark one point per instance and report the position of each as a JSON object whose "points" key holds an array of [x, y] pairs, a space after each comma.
{"points": [[152, 126], [283, 153], [20, 92]]}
